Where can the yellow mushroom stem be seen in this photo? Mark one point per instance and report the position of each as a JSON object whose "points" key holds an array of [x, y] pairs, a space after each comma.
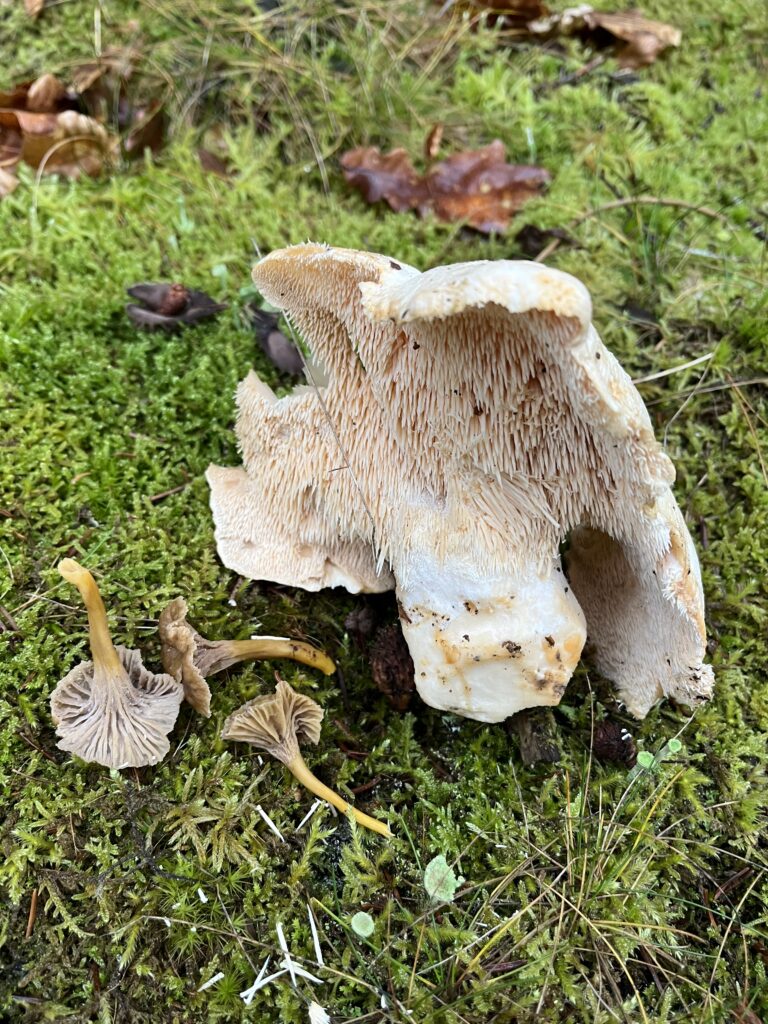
{"points": [[277, 647], [298, 767], [102, 648]]}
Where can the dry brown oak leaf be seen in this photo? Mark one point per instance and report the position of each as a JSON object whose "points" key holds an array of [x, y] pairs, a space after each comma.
{"points": [[478, 186]]}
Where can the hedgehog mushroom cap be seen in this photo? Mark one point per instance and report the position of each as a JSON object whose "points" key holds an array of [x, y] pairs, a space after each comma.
{"points": [[465, 422]]}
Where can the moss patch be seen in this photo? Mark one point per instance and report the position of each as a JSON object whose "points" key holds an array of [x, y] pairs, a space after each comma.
{"points": [[589, 893]]}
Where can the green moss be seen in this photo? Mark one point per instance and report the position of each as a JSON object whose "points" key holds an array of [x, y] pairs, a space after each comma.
{"points": [[589, 895]]}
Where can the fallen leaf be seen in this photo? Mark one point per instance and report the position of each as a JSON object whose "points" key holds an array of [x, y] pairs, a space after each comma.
{"points": [[279, 349], [636, 40], [532, 239], [481, 188], [477, 186], [390, 176], [45, 94], [170, 306], [34, 7], [213, 164], [68, 143]]}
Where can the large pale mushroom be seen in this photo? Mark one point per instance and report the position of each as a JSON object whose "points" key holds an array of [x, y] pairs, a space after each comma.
{"points": [[191, 659], [112, 710], [462, 424]]}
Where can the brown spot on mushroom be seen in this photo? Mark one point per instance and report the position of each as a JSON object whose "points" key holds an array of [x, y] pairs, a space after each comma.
{"points": [[511, 647]]}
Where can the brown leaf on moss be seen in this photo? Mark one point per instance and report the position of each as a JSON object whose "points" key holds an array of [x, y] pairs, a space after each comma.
{"points": [[34, 7], [636, 40], [477, 186], [68, 143], [213, 164], [389, 176]]}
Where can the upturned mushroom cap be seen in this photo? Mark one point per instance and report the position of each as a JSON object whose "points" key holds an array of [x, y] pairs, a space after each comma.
{"points": [[180, 644], [277, 722], [118, 722], [468, 421]]}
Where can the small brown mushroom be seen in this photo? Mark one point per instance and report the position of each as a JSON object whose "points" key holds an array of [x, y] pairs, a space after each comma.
{"points": [[190, 658], [112, 710], [278, 723]]}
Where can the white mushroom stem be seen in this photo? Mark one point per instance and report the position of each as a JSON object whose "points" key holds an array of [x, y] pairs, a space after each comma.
{"points": [[105, 656], [489, 646], [297, 766]]}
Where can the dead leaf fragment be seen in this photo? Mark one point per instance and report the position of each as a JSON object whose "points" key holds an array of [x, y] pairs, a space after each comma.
{"points": [[68, 143], [34, 7], [390, 176], [213, 164], [170, 306], [477, 186], [45, 94], [481, 188], [8, 182], [637, 41], [148, 131]]}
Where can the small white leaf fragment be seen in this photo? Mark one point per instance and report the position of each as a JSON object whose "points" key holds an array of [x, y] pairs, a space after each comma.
{"points": [[270, 823], [362, 924], [317, 1014], [287, 962], [299, 972], [440, 880], [203, 898], [315, 938], [308, 815], [249, 993], [211, 981]]}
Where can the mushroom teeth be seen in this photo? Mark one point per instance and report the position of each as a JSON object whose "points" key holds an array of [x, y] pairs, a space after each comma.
{"points": [[120, 721], [277, 722], [467, 421]]}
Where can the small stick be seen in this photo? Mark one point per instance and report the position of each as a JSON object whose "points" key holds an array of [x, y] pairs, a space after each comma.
{"points": [[9, 619], [166, 494], [32, 915]]}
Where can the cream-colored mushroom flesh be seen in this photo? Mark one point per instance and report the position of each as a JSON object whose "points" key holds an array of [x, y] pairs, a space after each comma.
{"points": [[112, 710], [469, 420]]}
